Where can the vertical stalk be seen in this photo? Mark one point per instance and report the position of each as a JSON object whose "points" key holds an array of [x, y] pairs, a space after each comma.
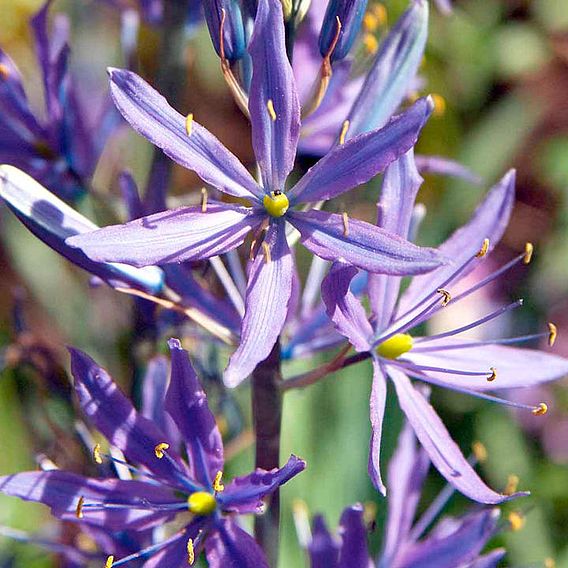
{"points": [[267, 417]]}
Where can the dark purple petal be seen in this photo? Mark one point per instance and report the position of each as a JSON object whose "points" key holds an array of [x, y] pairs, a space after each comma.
{"points": [[130, 195], [442, 450], [324, 548], [113, 414], [187, 404], [232, 547], [456, 549], [489, 221], [390, 78], [343, 308], [376, 414], [515, 367], [363, 157], [53, 221], [233, 31], [150, 115], [400, 187], [171, 236], [266, 304], [363, 245], [61, 491], [273, 100], [248, 491], [353, 532]]}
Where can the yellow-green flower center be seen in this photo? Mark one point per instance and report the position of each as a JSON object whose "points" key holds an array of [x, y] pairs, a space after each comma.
{"points": [[201, 503], [395, 346], [276, 203]]}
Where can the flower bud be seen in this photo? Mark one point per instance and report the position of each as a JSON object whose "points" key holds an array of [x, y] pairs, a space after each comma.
{"points": [[225, 23]]}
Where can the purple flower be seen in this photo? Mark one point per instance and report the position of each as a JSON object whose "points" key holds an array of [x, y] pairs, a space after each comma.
{"points": [[450, 543], [445, 359], [165, 484], [62, 150], [215, 227]]}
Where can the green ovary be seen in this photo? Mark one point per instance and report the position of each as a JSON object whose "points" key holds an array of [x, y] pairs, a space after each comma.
{"points": [[276, 203]]}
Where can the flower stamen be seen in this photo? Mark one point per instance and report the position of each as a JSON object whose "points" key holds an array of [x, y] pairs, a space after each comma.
{"points": [[97, 454], [528, 253], [217, 485], [517, 521], [109, 562], [160, 449], [271, 111], [79, 508], [203, 200], [512, 484], [493, 375], [447, 297], [541, 409], [345, 218], [479, 451], [343, 133], [266, 252], [190, 552], [553, 333], [484, 248], [189, 123]]}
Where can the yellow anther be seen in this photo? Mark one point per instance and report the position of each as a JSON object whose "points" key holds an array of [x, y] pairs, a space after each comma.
{"points": [[97, 454], [493, 375], [484, 248], [190, 552], [541, 409], [217, 485], [370, 22], [447, 297], [160, 448], [395, 346], [369, 512], [371, 43], [300, 507], [4, 71], [276, 203], [343, 132], [109, 562], [266, 252], [79, 508], [516, 520], [549, 563], [479, 451], [203, 200], [528, 253], [271, 111], [552, 333], [439, 104], [189, 123], [201, 503], [380, 12], [512, 484], [345, 218]]}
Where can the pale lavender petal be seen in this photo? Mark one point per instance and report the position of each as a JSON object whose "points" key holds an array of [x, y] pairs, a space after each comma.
{"points": [[324, 548], [515, 367], [363, 245], [171, 236], [344, 309], [363, 157], [266, 304], [187, 404], [150, 115], [232, 547], [398, 195], [62, 490], [275, 130], [249, 490], [490, 560], [377, 411], [444, 166], [489, 221], [442, 450], [113, 414], [354, 552]]}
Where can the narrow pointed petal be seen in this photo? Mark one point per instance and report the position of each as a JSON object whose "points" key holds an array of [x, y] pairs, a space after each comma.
{"points": [[436, 440], [273, 100], [354, 552], [231, 546], [150, 115], [53, 221], [343, 308], [250, 489], [363, 245], [398, 195], [171, 236], [377, 412], [324, 548], [490, 560], [456, 549], [363, 157], [61, 491], [515, 367], [390, 78], [187, 404], [441, 165], [489, 221], [266, 304], [113, 414]]}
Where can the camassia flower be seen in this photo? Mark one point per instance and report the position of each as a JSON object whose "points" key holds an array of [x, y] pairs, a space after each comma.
{"points": [[165, 486], [444, 359], [214, 228]]}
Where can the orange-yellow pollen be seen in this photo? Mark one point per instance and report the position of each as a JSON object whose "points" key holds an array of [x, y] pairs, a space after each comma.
{"points": [[512, 484], [371, 43], [201, 503], [541, 409], [190, 552], [189, 123], [343, 132], [528, 253], [493, 375], [484, 248], [276, 203], [271, 111], [109, 562], [447, 297], [203, 200], [160, 449], [439, 104], [4, 71], [552, 333], [217, 485], [517, 521], [479, 451], [79, 508], [395, 346]]}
